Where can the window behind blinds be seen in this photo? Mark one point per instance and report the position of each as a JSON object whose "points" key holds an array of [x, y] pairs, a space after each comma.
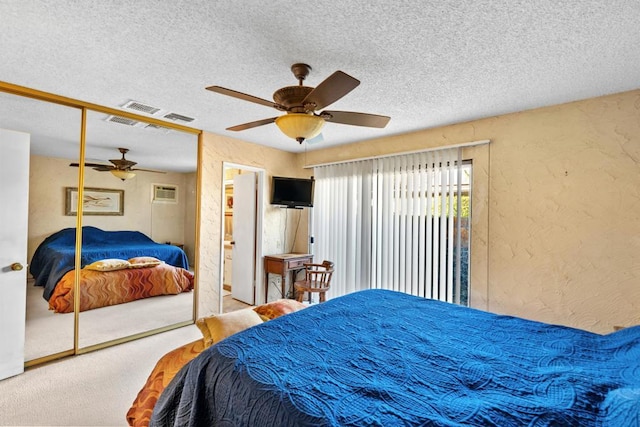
{"points": [[399, 223]]}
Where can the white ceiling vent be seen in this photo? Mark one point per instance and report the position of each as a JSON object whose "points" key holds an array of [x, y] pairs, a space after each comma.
{"points": [[140, 107], [122, 120], [178, 117], [163, 193]]}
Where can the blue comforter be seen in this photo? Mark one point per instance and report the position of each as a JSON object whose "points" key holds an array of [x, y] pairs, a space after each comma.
{"points": [[56, 254], [388, 359]]}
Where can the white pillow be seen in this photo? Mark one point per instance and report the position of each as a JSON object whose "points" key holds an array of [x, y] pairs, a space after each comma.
{"points": [[218, 327]]}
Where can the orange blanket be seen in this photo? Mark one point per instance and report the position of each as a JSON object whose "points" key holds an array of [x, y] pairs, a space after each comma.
{"points": [[167, 367], [104, 288]]}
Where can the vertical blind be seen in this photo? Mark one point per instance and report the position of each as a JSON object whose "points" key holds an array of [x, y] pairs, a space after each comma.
{"points": [[392, 223]]}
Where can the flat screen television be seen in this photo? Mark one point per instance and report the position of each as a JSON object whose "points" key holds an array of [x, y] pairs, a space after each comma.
{"points": [[292, 192]]}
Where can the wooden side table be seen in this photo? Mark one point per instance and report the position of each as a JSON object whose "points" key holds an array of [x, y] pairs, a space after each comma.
{"points": [[283, 264]]}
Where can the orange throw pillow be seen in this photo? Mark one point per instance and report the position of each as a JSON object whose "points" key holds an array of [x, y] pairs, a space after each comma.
{"points": [[278, 308]]}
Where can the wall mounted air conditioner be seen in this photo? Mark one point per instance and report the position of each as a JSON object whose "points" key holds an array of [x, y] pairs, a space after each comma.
{"points": [[164, 193]]}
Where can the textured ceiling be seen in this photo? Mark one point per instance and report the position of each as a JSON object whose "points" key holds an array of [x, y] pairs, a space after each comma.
{"points": [[423, 64]]}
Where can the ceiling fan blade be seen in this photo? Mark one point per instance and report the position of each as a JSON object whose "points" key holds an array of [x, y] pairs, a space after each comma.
{"points": [[118, 164], [250, 125], [244, 97], [331, 89], [91, 165], [356, 119], [147, 170]]}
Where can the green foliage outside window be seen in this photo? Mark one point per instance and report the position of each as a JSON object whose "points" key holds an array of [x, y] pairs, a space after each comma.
{"points": [[464, 205]]}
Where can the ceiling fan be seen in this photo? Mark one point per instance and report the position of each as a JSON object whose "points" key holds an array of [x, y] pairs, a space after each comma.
{"points": [[121, 168], [301, 103]]}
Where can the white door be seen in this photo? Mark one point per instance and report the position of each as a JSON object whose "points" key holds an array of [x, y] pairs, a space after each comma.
{"points": [[14, 212], [244, 234]]}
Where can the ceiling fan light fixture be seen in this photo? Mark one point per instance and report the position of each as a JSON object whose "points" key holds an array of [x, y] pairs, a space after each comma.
{"points": [[122, 174], [300, 126]]}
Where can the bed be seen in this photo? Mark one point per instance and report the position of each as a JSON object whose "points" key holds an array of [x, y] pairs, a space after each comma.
{"points": [[129, 283], [214, 329], [55, 256], [384, 358]]}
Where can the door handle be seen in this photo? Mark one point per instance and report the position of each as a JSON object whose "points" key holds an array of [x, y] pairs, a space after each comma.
{"points": [[16, 266], [233, 242]]}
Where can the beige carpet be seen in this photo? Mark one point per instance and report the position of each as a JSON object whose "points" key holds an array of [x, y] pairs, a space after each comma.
{"points": [[48, 332], [93, 389]]}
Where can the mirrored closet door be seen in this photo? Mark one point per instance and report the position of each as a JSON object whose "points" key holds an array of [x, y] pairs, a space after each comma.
{"points": [[156, 203], [139, 208]]}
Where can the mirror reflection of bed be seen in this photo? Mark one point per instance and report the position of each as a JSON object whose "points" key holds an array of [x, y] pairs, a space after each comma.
{"points": [[48, 333], [163, 220], [45, 328]]}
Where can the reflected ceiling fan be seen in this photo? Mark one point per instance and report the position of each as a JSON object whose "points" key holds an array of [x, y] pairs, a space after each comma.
{"points": [[121, 168], [301, 104]]}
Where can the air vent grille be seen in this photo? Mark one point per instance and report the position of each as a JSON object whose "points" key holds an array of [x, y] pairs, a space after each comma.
{"points": [[122, 120], [138, 106], [178, 117]]}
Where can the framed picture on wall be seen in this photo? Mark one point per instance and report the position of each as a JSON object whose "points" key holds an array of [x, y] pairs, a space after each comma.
{"points": [[96, 201]]}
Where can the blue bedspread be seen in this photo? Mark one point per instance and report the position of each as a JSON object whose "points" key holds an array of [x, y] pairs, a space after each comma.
{"points": [[56, 254], [388, 359]]}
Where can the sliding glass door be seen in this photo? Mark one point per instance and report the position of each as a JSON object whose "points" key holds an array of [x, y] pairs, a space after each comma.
{"points": [[398, 222]]}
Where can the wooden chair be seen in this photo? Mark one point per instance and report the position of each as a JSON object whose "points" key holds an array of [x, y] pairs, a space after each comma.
{"points": [[317, 278]]}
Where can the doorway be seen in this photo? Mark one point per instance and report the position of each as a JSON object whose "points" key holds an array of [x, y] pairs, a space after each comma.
{"points": [[241, 228]]}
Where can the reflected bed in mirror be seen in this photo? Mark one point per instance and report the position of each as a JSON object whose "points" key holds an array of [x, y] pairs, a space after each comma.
{"points": [[158, 221], [164, 159], [55, 143], [117, 267]]}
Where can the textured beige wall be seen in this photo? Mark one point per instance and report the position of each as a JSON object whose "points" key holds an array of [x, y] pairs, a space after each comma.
{"points": [[190, 207], [559, 235], [216, 150], [162, 222]]}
